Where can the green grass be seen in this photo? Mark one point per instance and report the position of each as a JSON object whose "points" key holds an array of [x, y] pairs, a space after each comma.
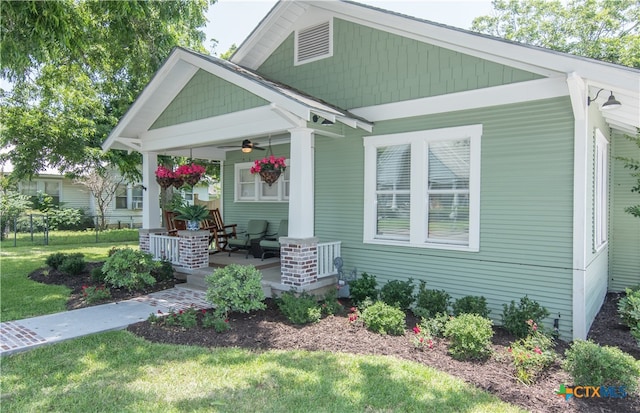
{"points": [[118, 372], [71, 238], [19, 296]]}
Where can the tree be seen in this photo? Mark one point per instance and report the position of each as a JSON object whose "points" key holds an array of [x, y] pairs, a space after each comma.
{"points": [[103, 186], [634, 166], [12, 204], [76, 67], [607, 30]]}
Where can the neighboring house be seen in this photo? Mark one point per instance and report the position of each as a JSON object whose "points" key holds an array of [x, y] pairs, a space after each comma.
{"points": [[478, 165], [124, 210]]}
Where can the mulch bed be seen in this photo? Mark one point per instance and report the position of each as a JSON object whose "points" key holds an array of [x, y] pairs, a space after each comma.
{"points": [[269, 329]]}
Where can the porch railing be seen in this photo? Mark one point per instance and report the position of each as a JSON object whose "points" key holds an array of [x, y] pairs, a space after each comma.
{"points": [[165, 247], [327, 252]]}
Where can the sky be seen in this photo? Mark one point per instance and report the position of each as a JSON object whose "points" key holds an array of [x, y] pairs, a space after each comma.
{"points": [[231, 21]]}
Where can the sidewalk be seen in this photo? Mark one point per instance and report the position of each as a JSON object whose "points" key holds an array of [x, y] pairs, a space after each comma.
{"points": [[21, 335]]}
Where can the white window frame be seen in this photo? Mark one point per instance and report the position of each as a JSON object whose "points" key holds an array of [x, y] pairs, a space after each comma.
{"points": [[40, 185], [601, 191], [258, 196], [419, 141]]}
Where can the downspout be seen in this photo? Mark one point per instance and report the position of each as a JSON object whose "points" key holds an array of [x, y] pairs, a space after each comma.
{"points": [[578, 94]]}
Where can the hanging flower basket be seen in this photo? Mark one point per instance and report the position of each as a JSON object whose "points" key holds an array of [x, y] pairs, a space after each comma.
{"points": [[177, 182], [164, 176], [190, 173], [269, 168], [270, 176]]}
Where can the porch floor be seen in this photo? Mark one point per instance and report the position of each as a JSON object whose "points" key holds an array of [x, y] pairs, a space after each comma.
{"points": [[270, 268]]}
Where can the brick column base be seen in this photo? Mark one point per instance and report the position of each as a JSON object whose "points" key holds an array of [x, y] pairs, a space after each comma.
{"points": [[143, 236], [194, 249], [299, 261]]}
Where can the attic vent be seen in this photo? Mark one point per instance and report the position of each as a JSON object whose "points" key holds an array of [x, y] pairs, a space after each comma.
{"points": [[313, 43]]}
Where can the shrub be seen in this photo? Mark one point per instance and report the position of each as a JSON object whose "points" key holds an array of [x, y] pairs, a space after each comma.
{"points": [[470, 336], [54, 260], [398, 294], [471, 305], [431, 302], [382, 318], [330, 304], [629, 307], [422, 337], [515, 317], [97, 276], [130, 269], [73, 264], [532, 355], [94, 294], [210, 319], [434, 326], [235, 288], [592, 365], [363, 288], [184, 318], [299, 309], [164, 272]]}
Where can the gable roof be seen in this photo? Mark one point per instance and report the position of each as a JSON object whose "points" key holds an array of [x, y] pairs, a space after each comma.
{"points": [[180, 67], [288, 16]]}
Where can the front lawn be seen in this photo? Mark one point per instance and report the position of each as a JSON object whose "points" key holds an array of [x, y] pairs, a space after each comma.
{"points": [[119, 372]]}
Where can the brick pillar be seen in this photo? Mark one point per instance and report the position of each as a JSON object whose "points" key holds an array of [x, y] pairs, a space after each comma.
{"points": [[194, 249], [299, 261], [143, 236]]}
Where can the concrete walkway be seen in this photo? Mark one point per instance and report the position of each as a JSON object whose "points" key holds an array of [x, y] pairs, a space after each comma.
{"points": [[21, 335]]}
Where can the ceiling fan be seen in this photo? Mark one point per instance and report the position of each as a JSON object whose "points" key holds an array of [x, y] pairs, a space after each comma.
{"points": [[247, 146]]}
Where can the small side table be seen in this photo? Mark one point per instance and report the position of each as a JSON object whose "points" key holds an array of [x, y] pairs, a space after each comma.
{"points": [[255, 249]]}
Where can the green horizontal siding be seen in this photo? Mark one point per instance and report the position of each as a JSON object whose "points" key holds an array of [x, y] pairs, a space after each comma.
{"points": [[526, 209], [624, 231], [204, 96], [384, 67]]}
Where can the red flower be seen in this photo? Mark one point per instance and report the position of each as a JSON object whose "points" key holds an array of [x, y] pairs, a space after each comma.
{"points": [[180, 312], [353, 309], [537, 350], [430, 343], [204, 311], [416, 329]]}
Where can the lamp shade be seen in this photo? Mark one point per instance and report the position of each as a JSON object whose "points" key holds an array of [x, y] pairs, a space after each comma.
{"points": [[611, 103]]}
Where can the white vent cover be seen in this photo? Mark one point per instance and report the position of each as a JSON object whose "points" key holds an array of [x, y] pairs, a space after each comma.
{"points": [[313, 43]]}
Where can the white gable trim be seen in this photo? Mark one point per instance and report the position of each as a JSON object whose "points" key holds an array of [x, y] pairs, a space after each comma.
{"points": [[472, 99]]}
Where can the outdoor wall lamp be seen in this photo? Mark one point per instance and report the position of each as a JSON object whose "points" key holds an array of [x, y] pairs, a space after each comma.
{"points": [[610, 104], [325, 122]]}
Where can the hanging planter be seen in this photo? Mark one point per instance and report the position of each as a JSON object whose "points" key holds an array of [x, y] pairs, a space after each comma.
{"points": [[269, 168], [164, 176], [190, 173]]}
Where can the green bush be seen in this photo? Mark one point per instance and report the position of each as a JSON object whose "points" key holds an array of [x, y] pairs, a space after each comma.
{"points": [[235, 288], [330, 304], [382, 318], [515, 317], [469, 336], [471, 305], [592, 365], [431, 302], [532, 355], [299, 308], [434, 326], [55, 260], [95, 294], [97, 276], [73, 264], [398, 294], [212, 320], [164, 272], [363, 288], [130, 269], [629, 307]]}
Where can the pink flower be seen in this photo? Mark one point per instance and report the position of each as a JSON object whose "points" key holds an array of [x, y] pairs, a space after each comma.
{"points": [[353, 309], [416, 330], [430, 343], [509, 350], [537, 350]]}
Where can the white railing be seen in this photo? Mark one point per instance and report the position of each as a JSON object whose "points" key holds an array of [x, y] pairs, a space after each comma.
{"points": [[327, 252], [165, 247]]}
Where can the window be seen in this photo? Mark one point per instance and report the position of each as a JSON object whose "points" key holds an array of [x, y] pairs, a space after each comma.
{"points": [[51, 188], [422, 189], [314, 43], [136, 197], [601, 190], [121, 197], [250, 187]]}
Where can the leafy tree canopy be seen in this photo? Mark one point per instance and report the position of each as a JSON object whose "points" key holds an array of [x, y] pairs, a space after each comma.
{"points": [[607, 30], [76, 66]]}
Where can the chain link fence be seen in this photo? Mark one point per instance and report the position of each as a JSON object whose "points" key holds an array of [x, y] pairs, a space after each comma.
{"points": [[46, 229]]}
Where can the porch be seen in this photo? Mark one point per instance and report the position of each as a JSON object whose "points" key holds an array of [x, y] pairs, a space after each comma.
{"points": [[193, 263]]}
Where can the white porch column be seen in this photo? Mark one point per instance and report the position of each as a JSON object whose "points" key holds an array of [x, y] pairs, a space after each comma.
{"points": [[150, 196], [301, 191]]}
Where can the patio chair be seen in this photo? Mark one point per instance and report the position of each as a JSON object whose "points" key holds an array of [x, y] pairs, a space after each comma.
{"points": [[220, 233], [173, 225], [256, 228], [271, 242]]}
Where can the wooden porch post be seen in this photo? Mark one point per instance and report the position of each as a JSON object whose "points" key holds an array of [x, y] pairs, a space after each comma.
{"points": [[301, 191], [151, 193]]}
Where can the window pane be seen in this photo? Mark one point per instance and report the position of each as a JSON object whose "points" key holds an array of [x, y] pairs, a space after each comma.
{"points": [[393, 180], [448, 218], [52, 188], [393, 168], [393, 222], [247, 190], [30, 188], [449, 165], [121, 197], [246, 176], [269, 191]]}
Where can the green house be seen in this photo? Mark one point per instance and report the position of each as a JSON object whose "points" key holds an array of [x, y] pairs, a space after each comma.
{"points": [[481, 166]]}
